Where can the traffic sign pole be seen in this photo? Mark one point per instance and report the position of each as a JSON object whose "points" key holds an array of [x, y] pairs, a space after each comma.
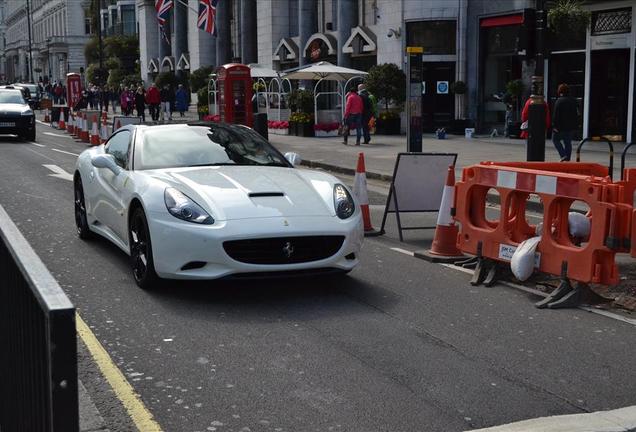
{"points": [[414, 98]]}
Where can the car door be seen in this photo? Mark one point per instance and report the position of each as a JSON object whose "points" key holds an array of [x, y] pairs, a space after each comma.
{"points": [[110, 206]]}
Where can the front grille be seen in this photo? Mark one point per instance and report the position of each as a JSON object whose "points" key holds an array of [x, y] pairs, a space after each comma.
{"points": [[283, 250]]}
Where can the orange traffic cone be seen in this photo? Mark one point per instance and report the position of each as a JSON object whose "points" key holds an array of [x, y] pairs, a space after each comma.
{"points": [[84, 134], [78, 126], [95, 139], [362, 195], [104, 129], [62, 124], [444, 247]]}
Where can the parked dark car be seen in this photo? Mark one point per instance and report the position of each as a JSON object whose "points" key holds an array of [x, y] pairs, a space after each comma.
{"points": [[35, 94], [16, 116]]}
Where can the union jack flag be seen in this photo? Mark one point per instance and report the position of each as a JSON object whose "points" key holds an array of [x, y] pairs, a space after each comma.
{"points": [[207, 16], [163, 10]]}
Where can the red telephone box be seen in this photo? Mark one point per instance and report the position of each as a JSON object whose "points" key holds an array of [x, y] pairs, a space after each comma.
{"points": [[73, 89], [234, 83]]}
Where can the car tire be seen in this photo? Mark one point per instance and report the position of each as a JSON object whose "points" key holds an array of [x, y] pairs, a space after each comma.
{"points": [[81, 222], [141, 260], [28, 135]]}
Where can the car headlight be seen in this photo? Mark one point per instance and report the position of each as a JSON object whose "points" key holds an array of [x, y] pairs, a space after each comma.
{"points": [[182, 207], [27, 112], [343, 203]]}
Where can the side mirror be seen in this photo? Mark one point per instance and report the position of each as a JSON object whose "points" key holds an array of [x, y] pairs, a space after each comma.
{"points": [[293, 158], [106, 161]]}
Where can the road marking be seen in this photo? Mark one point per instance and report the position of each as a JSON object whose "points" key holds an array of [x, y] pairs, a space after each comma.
{"points": [[65, 152], [529, 290], [403, 251], [57, 135], [36, 144], [138, 412], [58, 172], [45, 124]]}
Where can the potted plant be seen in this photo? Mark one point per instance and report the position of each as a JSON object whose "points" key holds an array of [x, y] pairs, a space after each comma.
{"points": [[388, 83], [388, 123], [568, 17], [512, 99], [278, 127], [300, 124], [326, 129]]}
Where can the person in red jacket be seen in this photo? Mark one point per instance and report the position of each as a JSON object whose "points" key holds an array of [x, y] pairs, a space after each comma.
{"points": [[526, 112], [353, 116], [153, 100]]}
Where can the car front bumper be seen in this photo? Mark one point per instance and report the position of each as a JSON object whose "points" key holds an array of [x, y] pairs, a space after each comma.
{"points": [[177, 244], [16, 125]]}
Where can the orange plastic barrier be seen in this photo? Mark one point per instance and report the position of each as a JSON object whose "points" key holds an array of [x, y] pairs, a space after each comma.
{"points": [[558, 185]]}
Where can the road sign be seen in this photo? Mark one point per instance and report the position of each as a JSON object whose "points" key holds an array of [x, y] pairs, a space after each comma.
{"points": [[442, 87]]}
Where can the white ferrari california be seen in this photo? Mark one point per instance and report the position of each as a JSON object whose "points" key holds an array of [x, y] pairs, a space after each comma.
{"points": [[211, 200]]}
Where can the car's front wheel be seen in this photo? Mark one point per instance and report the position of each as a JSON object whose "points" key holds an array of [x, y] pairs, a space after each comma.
{"points": [[81, 222], [143, 266], [28, 134]]}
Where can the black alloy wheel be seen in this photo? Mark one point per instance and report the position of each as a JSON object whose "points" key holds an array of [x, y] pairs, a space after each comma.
{"points": [[143, 266], [81, 222]]}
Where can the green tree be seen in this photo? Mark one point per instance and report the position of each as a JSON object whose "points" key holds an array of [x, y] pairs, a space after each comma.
{"points": [[91, 51], [168, 78], [301, 101], [388, 83], [200, 77]]}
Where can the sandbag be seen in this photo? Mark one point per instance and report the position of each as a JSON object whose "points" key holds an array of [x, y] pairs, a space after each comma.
{"points": [[522, 262], [579, 226]]}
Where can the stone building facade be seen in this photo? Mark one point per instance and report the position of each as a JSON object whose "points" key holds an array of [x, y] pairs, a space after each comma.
{"points": [[59, 31]]}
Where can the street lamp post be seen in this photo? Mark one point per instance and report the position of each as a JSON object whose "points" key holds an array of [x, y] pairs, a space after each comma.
{"points": [[28, 11], [535, 146], [48, 57]]}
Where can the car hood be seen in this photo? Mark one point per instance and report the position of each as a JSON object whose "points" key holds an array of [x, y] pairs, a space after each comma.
{"points": [[248, 192], [12, 108]]}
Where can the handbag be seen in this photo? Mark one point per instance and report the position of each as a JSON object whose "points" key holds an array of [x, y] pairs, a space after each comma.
{"points": [[524, 125], [343, 129]]}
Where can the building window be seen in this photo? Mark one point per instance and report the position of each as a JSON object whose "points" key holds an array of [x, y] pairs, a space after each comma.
{"points": [[87, 26], [436, 37], [612, 21], [128, 19]]}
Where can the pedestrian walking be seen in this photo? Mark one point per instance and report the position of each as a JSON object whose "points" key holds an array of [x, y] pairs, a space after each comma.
{"points": [[126, 101], [353, 116], [140, 102], [167, 99], [153, 98], [105, 95], [565, 120], [181, 100], [367, 112]]}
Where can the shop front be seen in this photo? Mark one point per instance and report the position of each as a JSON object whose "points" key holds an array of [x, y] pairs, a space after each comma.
{"points": [[503, 65], [610, 61], [438, 40]]}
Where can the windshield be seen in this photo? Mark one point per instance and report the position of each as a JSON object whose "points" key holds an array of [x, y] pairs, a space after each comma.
{"points": [[205, 146], [14, 97]]}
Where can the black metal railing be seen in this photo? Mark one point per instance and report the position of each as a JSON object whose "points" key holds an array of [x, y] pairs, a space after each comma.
{"points": [[38, 348]]}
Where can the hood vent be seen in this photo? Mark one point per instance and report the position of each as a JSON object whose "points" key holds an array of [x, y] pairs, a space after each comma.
{"points": [[265, 194]]}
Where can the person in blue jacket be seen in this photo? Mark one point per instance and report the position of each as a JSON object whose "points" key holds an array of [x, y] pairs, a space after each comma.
{"points": [[181, 99]]}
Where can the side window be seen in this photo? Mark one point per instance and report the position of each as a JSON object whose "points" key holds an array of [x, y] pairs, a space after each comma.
{"points": [[118, 146]]}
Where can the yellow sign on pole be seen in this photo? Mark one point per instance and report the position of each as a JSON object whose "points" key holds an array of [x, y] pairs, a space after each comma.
{"points": [[415, 50]]}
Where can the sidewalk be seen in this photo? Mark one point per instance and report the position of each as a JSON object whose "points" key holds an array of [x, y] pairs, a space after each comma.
{"points": [[380, 154]]}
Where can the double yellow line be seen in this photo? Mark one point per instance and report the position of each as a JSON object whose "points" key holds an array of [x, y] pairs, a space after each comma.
{"points": [[140, 415]]}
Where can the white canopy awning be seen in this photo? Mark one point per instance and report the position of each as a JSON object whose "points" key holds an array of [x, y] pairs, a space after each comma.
{"points": [[259, 71], [324, 70]]}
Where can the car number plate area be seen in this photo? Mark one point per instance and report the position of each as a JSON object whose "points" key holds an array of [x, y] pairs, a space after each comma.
{"points": [[7, 124]]}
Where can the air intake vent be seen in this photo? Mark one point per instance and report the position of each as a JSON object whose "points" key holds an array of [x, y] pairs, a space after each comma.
{"points": [[265, 194]]}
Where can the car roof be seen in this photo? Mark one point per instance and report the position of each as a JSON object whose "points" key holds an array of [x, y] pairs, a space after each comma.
{"points": [[184, 125], [10, 90]]}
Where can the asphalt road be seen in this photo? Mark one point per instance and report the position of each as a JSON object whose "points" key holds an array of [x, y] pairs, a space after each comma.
{"points": [[398, 345]]}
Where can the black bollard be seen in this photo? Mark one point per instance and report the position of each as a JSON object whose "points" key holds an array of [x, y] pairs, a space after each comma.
{"points": [[260, 124]]}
